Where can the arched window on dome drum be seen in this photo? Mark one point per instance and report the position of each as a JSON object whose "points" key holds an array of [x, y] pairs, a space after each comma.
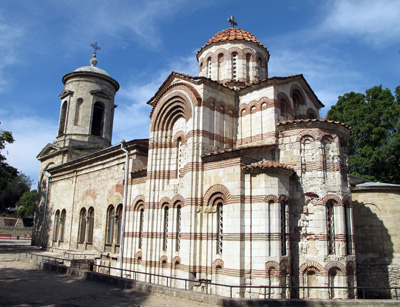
{"points": [[63, 118], [234, 66], [82, 226], [209, 68], [78, 111], [259, 68], [248, 57], [91, 225], [220, 68], [98, 119]]}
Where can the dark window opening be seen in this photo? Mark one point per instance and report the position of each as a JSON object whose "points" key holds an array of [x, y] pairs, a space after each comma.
{"points": [[98, 119]]}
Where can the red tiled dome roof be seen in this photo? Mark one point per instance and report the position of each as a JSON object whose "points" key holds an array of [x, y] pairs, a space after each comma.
{"points": [[231, 35]]}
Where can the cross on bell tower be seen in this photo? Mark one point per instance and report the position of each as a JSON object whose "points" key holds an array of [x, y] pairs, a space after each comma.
{"points": [[232, 22]]}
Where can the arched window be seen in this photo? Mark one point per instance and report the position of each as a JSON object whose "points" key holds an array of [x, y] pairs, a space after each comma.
{"points": [[209, 68], [62, 224], [141, 221], [220, 68], [283, 227], [248, 57], [348, 229], [259, 67], [82, 226], [298, 98], [178, 228], [165, 232], [98, 119], [330, 226], [78, 111], [110, 225], [234, 66], [56, 225], [327, 156], [118, 223], [63, 118], [332, 281], [220, 227], [91, 225], [179, 161]]}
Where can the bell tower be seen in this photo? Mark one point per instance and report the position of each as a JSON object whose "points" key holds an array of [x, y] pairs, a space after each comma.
{"points": [[87, 111]]}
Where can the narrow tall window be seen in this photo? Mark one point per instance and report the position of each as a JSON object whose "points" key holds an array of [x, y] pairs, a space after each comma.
{"points": [[179, 158], [220, 230], [283, 228], [56, 225], [91, 225], [118, 221], [248, 57], [82, 226], [165, 234], [330, 223], [209, 68], [63, 118], [98, 119], [234, 66], [178, 228], [62, 224], [220, 68], [110, 225], [141, 221], [347, 225], [78, 111]]}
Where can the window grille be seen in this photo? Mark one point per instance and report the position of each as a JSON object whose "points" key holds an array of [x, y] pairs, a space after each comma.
{"points": [[219, 228], [165, 235], [283, 228], [330, 228], [178, 228], [234, 66], [141, 221]]}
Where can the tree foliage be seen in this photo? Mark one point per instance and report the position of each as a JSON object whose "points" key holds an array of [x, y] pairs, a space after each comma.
{"points": [[14, 190], [374, 145], [27, 204], [7, 172]]}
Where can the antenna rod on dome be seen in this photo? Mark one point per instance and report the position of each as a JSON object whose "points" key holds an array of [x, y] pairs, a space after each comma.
{"points": [[232, 21], [95, 48]]}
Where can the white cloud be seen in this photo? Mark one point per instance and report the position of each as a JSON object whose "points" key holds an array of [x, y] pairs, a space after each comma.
{"points": [[132, 119], [31, 134], [373, 21]]}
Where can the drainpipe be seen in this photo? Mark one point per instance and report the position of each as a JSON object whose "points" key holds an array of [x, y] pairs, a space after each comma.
{"points": [[45, 206], [121, 240]]}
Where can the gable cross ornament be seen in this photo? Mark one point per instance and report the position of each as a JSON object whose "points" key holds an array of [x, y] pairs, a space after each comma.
{"points": [[232, 21]]}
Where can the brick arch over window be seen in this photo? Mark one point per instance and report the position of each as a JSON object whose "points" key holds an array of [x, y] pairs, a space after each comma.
{"points": [[271, 197], [115, 189], [311, 264], [218, 263], [164, 260], [335, 264], [284, 105], [177, 199], [89, 193], [138, 203], [296, 89], [220, 189], [304, 134], [165, 201], [138, 255], [181, 135], [272, 265], [176, 260], [347, 201], [311, 114], [169, 111], [332, 197], [185, 91]]}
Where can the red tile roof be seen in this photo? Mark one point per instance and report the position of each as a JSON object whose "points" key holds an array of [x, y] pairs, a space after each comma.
{"points": [[267, 164], [312, 120], [231, 35]]}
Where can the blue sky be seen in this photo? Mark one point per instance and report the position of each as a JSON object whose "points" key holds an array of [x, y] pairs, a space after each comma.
{"points": [[338, 45]]}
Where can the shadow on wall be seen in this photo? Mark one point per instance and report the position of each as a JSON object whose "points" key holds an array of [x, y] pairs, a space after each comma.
{"points": [[374, 251]]}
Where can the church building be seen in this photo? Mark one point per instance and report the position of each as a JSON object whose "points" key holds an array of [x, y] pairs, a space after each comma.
{"points": [[241, 183]]}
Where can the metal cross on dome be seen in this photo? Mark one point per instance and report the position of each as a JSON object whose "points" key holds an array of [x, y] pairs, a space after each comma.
{"points": [[232, 21], [95, 47]]}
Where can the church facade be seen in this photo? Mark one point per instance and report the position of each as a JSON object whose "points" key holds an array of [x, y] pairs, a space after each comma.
{"points": [[240, 182]]}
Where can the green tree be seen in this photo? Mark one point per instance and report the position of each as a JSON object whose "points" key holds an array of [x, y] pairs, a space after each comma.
{"points": [[27, 204], [374, 145], [14, 190], [7, 172]]}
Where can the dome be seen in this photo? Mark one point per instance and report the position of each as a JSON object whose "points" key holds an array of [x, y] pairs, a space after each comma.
{"points": [[92, 69], [231, 35]]}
